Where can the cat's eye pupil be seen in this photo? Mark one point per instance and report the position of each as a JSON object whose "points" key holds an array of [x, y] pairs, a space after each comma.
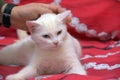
{"points": [[46, 36], [59, 32]]}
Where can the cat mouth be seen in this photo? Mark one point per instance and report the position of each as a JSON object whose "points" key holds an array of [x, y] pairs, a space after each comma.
{"points": [[56, 45]]}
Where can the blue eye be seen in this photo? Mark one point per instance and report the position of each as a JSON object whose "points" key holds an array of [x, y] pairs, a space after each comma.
{"points": [[46, 36]]}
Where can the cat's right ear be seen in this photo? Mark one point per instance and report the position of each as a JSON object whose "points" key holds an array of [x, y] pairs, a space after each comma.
{"points": [[31, 25], [62, 16]]}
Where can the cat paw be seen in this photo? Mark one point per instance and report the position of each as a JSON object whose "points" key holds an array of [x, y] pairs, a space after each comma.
{"points": [[15, 77]]}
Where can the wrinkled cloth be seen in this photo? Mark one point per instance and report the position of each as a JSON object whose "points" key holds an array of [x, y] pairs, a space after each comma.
{"points": [[101, 59]]}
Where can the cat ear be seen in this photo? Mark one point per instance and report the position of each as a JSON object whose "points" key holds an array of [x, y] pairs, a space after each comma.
{"points": [[31, 25], [62, 16]]}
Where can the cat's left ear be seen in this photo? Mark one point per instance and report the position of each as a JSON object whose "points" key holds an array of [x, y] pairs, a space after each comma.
{"points": [[31, 25], [62, 16]]}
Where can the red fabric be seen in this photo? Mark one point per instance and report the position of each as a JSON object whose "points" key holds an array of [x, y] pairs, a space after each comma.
{"points": [[100, 15], [101, 59]]}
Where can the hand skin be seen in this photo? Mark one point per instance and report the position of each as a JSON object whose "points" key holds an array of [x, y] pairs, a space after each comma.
{"points": [[31, 11]]}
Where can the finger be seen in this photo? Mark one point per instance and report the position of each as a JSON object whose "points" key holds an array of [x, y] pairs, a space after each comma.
{"points": [[68, 19], [45, 10], [54, 8]]}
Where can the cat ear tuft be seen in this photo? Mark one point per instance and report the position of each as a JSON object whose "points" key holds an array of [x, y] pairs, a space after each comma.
{"points": [[31, 25], [62, 16]]}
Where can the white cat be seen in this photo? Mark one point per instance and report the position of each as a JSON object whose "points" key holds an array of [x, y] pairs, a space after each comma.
{"points": [[49, 50]]}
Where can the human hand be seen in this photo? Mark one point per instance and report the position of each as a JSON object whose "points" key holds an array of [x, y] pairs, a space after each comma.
{"points": [[20, 14]]}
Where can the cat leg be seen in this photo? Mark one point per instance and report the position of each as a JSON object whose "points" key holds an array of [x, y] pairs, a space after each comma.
{"points": [[24, 74], [77, 68]]}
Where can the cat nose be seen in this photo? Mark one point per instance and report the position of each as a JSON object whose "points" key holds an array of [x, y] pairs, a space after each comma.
{"points": [[55, 43]]}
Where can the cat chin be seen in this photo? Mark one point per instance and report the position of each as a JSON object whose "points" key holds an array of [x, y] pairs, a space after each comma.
{"points": [[51, 47], [56, 46]]}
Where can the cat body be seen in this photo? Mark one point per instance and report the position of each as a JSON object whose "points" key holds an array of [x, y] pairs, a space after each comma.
{"points": [[50, 49]]}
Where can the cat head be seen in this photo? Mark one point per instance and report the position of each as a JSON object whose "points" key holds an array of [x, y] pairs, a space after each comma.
{"points": [[49, 31]]}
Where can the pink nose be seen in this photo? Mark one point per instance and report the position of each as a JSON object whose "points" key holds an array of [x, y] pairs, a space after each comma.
{"points": [[55, 43]]}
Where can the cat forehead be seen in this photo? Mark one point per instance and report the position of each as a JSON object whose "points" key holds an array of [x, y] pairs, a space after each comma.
{"points": [[47, 17], [49, 22]]}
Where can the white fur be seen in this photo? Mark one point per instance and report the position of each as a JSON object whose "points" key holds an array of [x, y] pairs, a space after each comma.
{"points": [[58, 53]]}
